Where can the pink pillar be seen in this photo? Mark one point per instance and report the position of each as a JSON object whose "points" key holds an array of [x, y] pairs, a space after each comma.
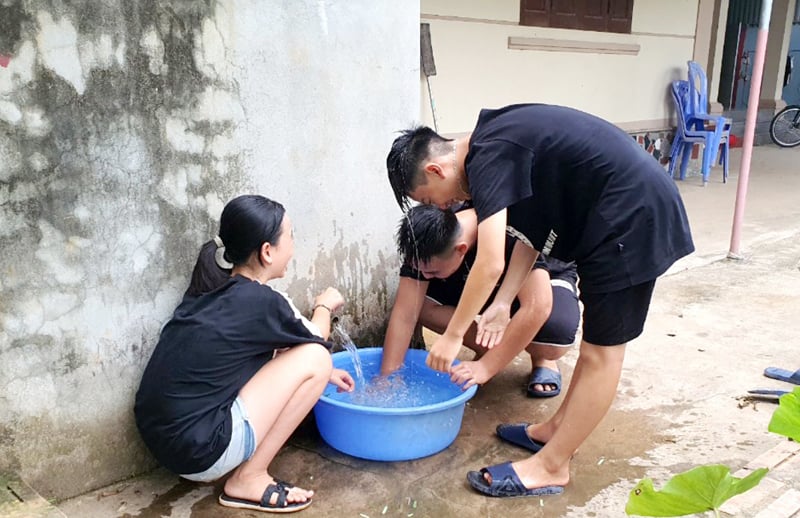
{"points": [[750, 128]]}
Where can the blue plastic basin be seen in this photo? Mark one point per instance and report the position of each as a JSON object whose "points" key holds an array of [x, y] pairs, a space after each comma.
{"points": [[391, 434]]}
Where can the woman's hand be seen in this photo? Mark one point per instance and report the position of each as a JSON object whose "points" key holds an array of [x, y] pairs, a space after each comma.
{"points": [[325, 304], [343, 380], [493, 324], [330, 298], [467, 374]]}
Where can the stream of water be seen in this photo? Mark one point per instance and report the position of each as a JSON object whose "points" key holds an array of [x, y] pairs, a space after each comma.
{"points": [[348, 344]]}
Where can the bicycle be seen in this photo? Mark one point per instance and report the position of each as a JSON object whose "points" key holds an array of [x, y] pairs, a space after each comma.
{"points": [[785, 126]]}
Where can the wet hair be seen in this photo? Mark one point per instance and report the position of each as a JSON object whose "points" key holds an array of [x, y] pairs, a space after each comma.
{"points": [[247, 222], [426, 231], [404, 161]]}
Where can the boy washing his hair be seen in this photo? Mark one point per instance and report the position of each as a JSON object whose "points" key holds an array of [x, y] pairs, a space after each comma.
{"points": [[438, 248]]}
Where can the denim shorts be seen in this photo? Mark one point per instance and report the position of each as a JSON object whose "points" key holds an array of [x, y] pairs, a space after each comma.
{"points": [[240, 449]]}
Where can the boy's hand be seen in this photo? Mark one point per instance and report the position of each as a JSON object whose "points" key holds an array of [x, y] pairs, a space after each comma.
{"points": [[467, 374], [442, 353], [330, 298], [343, 380], [387, 370], [492, 324]]}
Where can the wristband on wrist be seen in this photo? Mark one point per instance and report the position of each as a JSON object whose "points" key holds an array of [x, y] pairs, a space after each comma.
{"points": [[313, 309]]}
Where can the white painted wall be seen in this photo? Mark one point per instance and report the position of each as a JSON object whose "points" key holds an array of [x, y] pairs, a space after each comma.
{"points": [[331, 106], [475, 68]]}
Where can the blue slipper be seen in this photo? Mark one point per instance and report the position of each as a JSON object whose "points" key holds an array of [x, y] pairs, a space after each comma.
{"points": [[516, 434], [544, 376], [506, 483], [783, 375]]}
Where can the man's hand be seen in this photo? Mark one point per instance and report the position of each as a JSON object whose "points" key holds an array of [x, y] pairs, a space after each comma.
{"points": [[467, 374], [442, 353], [492, 324], [343, 380]]}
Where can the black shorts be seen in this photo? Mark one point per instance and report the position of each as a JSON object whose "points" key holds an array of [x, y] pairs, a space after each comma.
{"points": [[617, 317], [562, 325]]}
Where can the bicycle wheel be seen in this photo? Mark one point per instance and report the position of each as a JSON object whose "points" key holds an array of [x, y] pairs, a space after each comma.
{"points": [[785, 127]]}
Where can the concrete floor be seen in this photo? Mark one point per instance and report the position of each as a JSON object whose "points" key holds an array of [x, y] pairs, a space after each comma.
{"points": [[714, 325]]}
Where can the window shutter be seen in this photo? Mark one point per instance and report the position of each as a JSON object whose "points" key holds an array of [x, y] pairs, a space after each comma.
{"points": [[587, 15], [534, 12], [620, 14], [565, 14]]}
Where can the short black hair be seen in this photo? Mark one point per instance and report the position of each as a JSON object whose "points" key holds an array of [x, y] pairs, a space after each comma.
{"points": [[403, 162], [426, 231]]}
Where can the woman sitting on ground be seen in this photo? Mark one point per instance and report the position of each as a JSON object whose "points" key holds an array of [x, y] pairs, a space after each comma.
{"points": [[237, 368]]}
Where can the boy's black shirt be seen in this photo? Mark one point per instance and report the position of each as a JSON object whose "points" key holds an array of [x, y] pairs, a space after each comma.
{"points": [[448, 291], [579, 189]]}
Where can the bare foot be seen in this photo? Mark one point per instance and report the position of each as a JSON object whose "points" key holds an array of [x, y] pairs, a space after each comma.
{"points": [[541, 432]]}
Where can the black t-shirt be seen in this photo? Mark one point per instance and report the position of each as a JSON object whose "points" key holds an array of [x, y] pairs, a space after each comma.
{"points": [[210, 348], [579, 189]]}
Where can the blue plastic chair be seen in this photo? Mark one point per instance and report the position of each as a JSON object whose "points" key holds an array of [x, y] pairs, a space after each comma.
{"points": [[695, 125], [698, 83]]}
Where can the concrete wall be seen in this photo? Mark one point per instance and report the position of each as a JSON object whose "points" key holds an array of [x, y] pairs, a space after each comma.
{"points": [[477, 69], [124, 128]]}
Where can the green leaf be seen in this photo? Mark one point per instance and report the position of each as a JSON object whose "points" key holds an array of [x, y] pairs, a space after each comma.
{"points": [[786, 419], [698, 490]]}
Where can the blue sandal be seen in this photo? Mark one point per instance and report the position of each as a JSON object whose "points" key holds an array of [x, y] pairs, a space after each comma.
{"points": [[517, 434], [783, 375], [506, 483], [544, 376]]}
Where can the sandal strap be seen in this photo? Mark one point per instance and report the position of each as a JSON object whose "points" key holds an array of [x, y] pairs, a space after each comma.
{"points": [[273, 489], [504, 479]]}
